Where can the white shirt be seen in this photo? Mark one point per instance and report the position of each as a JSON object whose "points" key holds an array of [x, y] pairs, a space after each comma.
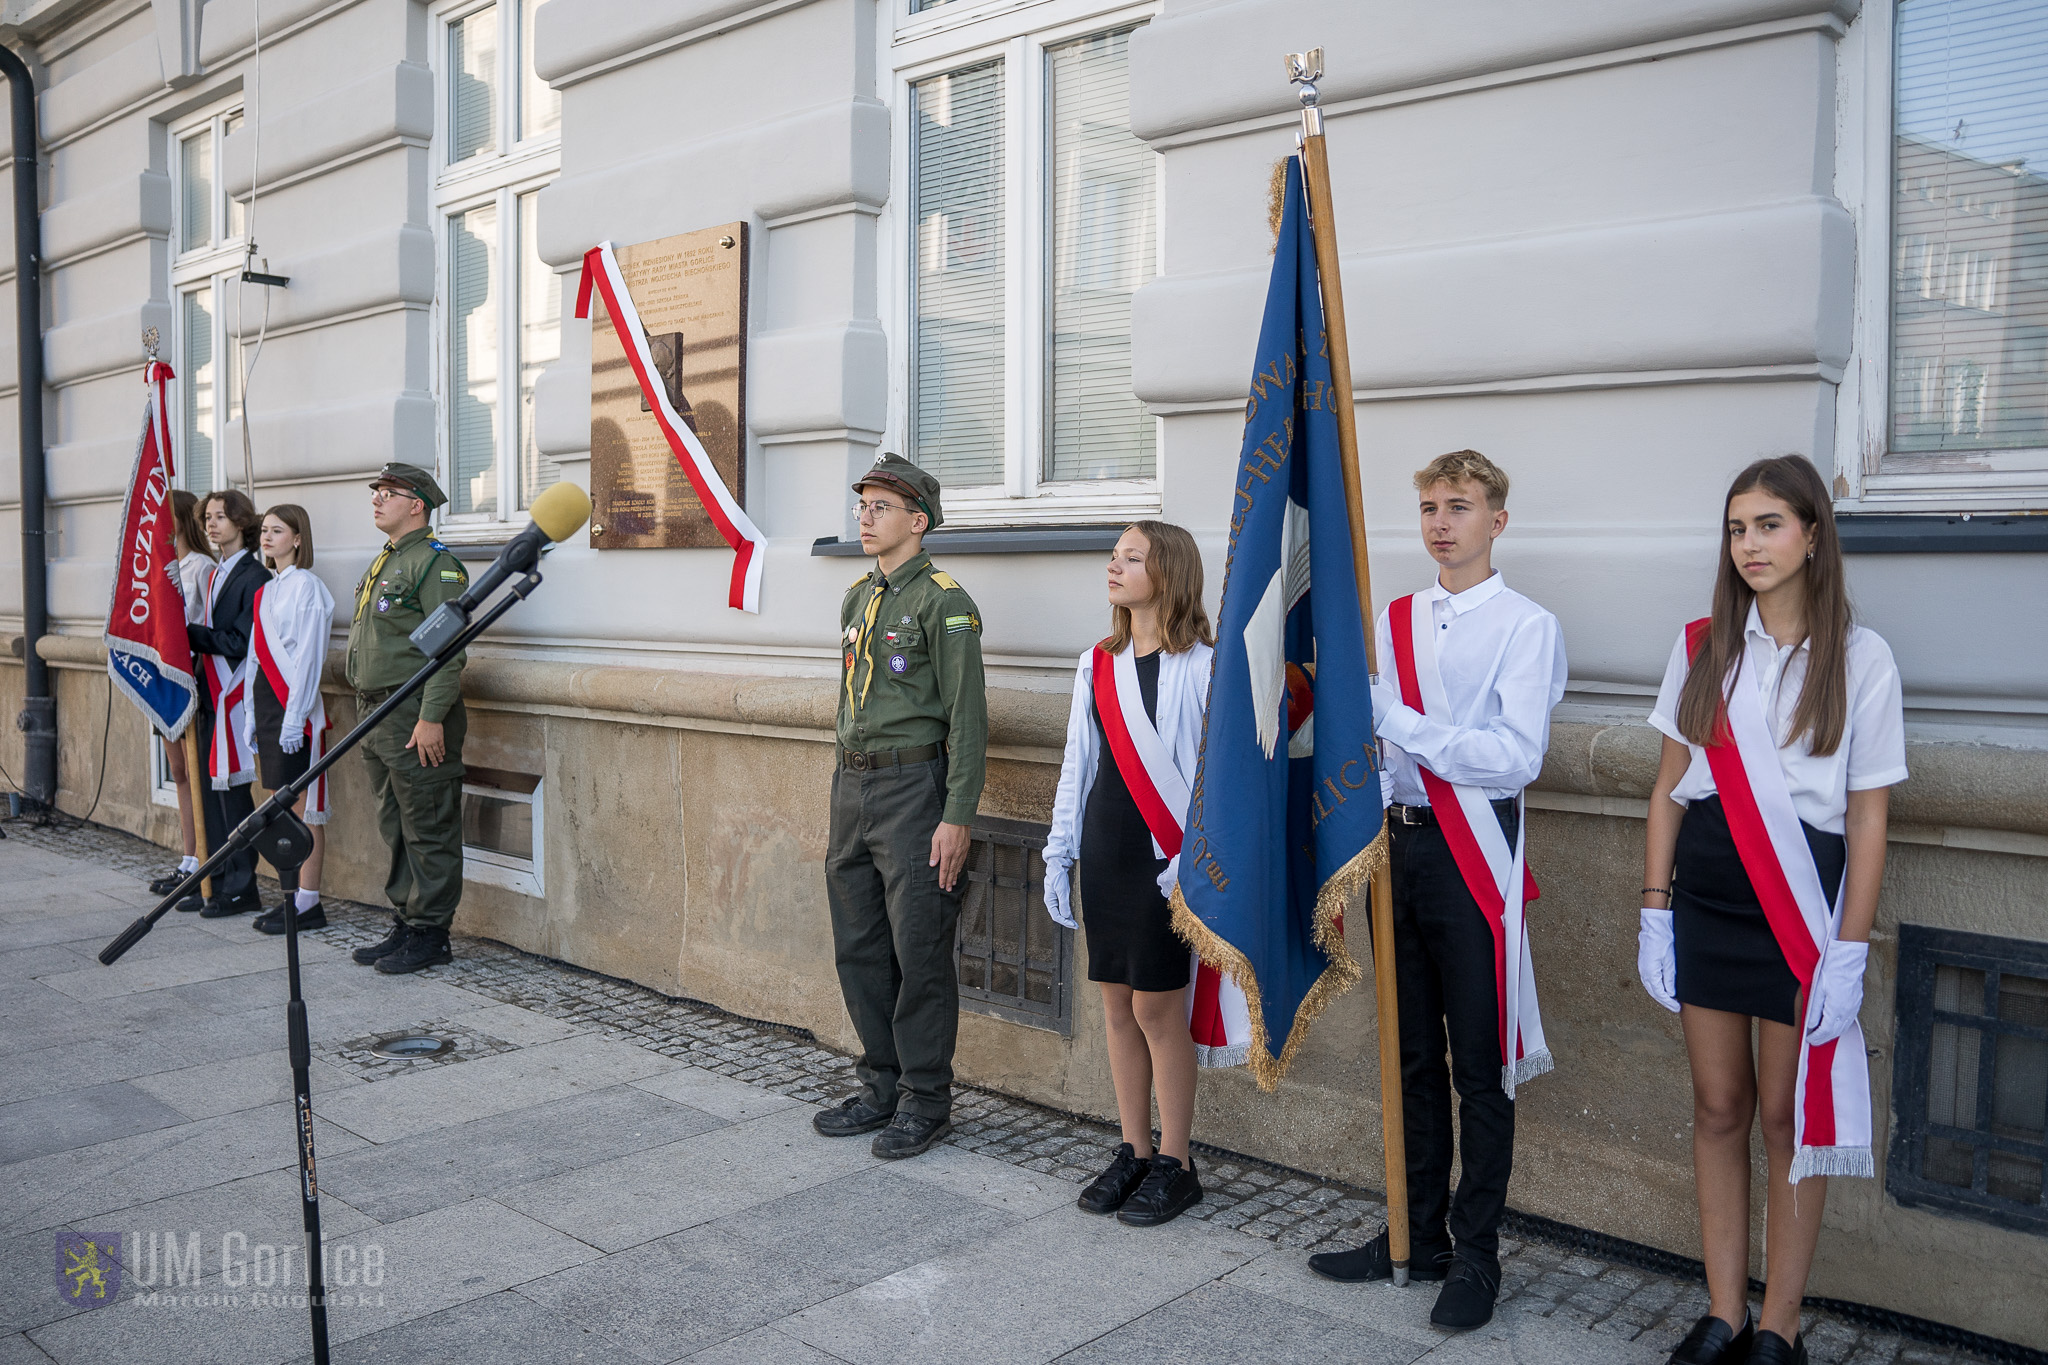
{"points": [[1502, 661], [193, 568], [298, 620], [1873, 749], [220, 578]]}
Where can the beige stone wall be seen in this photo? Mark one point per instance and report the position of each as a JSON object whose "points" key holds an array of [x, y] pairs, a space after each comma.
{"points": [[685, 829]]}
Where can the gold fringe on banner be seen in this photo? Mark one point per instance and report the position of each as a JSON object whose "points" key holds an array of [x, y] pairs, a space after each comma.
{"points": [[1340, 976]]}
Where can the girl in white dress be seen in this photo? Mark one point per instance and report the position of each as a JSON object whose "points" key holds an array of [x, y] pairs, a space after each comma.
{"points": [[195, 560]]}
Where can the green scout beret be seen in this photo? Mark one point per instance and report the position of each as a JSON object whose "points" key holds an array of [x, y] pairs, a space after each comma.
{"points": [[413, 480], [896, 473]]}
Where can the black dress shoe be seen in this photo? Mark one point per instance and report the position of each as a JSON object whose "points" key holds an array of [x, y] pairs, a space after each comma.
{"points": [[217, 908], [1771, 1349], [272, 921], [1713, 1342], [1466, 1300], [1118, 1183], [166, 884], [423, 948], [1169, 1190], [851, 1117], [190, 904], [908, 1135], [1374, 1261], [368, 956]]}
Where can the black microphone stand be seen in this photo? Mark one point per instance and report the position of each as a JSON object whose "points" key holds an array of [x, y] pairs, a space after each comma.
{"points": [[277, 834]]}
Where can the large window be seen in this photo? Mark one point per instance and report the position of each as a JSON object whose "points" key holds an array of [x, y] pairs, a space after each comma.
{"points": [[206, 261], [500, 304], [1957, 416], [1031, 218]]}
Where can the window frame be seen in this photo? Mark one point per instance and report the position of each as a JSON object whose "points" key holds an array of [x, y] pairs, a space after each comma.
{"points": [[947, 38], [213, 268], [1869, 476], [520, 166]]}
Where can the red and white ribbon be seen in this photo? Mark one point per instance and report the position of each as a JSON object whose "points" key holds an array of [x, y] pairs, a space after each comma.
{"points": [[314, 811], [1831, 1123], [1498, 877], [601, 268], [1219, 1019]]}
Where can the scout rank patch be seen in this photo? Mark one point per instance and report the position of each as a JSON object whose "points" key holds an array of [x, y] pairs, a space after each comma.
{"points": [[946, 580], [452, 576], [955, 624]]}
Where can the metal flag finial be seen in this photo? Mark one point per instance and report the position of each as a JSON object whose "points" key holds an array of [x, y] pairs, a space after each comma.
{"points": [[151, 339], [1305, 69]]}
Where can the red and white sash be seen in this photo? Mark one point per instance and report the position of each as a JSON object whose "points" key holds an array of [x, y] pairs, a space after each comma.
{"points": [[264, 654], [229, 762], [1831, 1125], [1489, 867], [1218, 1017]]}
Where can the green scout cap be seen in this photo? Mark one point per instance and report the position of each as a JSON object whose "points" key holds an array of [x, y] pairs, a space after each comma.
{"points": [[895, 472], [413, 480]]}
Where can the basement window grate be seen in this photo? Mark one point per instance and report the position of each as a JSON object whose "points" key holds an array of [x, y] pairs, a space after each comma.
{"points": [[1014, 962], [1970, 1077]]}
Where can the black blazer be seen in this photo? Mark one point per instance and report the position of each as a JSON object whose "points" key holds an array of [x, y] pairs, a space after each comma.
{"points": [[234, 611]]}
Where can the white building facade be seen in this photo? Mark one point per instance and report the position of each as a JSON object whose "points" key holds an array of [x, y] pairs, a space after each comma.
{"points": [[1623, 249]]}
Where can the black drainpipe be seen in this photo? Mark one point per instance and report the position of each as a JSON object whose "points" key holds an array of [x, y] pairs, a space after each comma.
{"points": [[38, 720]]}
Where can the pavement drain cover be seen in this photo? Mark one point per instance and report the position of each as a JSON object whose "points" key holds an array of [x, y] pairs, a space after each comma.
{"points": [[412, 1047]]}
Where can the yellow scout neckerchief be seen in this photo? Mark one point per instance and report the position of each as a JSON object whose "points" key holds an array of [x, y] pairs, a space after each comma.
{"points": [[369, 583]]}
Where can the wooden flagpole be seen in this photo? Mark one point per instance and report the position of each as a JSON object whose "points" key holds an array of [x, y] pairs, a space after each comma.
{"points": [[1305, 69], [193, 773]]}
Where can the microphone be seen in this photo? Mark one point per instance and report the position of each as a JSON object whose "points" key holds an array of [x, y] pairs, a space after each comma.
{"points": [[557, 514]]}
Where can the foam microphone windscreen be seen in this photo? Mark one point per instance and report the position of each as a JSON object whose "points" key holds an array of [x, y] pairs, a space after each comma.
{"points": [[560, 510]]}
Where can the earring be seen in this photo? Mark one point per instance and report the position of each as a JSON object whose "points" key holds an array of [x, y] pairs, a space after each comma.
{"points": [[1809, 554]]}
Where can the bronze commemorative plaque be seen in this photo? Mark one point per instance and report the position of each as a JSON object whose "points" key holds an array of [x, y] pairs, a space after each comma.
{"points": [[691, 293]]}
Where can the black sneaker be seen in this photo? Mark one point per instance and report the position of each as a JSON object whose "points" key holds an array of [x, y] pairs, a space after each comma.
{"points": [[851, 1117], [1118, 1183], [423, 948], [1713, 1342], [234, 905], [1168, 1191], [368, 956], [1375, 1261], [909, 1135], [273, 922], [1771, 1349], [166, 884], [1467, 1297]]}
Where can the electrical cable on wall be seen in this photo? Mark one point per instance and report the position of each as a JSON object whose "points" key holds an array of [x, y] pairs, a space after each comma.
{"points": [[246, 359]]}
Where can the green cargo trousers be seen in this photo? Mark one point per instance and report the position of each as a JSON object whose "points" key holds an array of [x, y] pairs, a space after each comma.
{"points": [[419, 813], [892, 928]]}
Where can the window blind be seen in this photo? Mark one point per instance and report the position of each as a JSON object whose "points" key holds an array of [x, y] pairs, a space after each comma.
{"points": [[958, 196], [196, 324], [1101, 236], [540, 345], [195, 191], [540, 105], [1970, 227], [472, 85], [473, 361]]}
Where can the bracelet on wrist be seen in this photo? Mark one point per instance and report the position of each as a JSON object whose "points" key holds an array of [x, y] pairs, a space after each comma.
{"points": [[1663, 891]]}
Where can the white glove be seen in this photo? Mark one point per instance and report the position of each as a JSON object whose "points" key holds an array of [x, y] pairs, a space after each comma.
{"points": [[291, 741], [1059, 895], [1657, 958], [1837, 996], [1386, 789], [1170, 878]]}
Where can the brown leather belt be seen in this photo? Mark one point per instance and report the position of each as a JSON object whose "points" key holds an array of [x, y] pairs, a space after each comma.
{"points": [[888, 758]]}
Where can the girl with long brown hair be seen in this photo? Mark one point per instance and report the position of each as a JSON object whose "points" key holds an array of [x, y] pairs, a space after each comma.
{"points": [[1149, 679], [1783, 731], [195, 563]]}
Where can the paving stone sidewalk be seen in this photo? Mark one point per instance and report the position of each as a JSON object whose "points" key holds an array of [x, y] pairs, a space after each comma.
{"points": [[599, 1172]]}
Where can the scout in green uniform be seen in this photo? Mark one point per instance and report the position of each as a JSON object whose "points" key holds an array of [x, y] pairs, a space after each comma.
{"points": [[415, 756], [913, 744]]}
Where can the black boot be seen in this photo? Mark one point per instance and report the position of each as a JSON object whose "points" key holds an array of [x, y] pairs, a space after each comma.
{"points": [[423, 948], [1374, 1261], [908, 1135], [1467, 1298], [1170, 1189], [1713, 1342], [851, 1117], [273, 921], [1117, 1184], [368, 956]]}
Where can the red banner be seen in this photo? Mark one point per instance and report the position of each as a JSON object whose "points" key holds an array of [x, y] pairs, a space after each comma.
{"points": [[147, 652]]}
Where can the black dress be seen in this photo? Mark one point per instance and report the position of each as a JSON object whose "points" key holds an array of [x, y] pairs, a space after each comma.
{"points": [[1128, 923], [276, 767], [1728, 958]]}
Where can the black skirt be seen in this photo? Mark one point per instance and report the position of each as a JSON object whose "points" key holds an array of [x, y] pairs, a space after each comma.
{"points": [[1129, 924], [1728, 958], [273, 765]]}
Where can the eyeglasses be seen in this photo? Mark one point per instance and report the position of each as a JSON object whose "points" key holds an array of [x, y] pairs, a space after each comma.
{"points": [[380, 496], [868, 511]]}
